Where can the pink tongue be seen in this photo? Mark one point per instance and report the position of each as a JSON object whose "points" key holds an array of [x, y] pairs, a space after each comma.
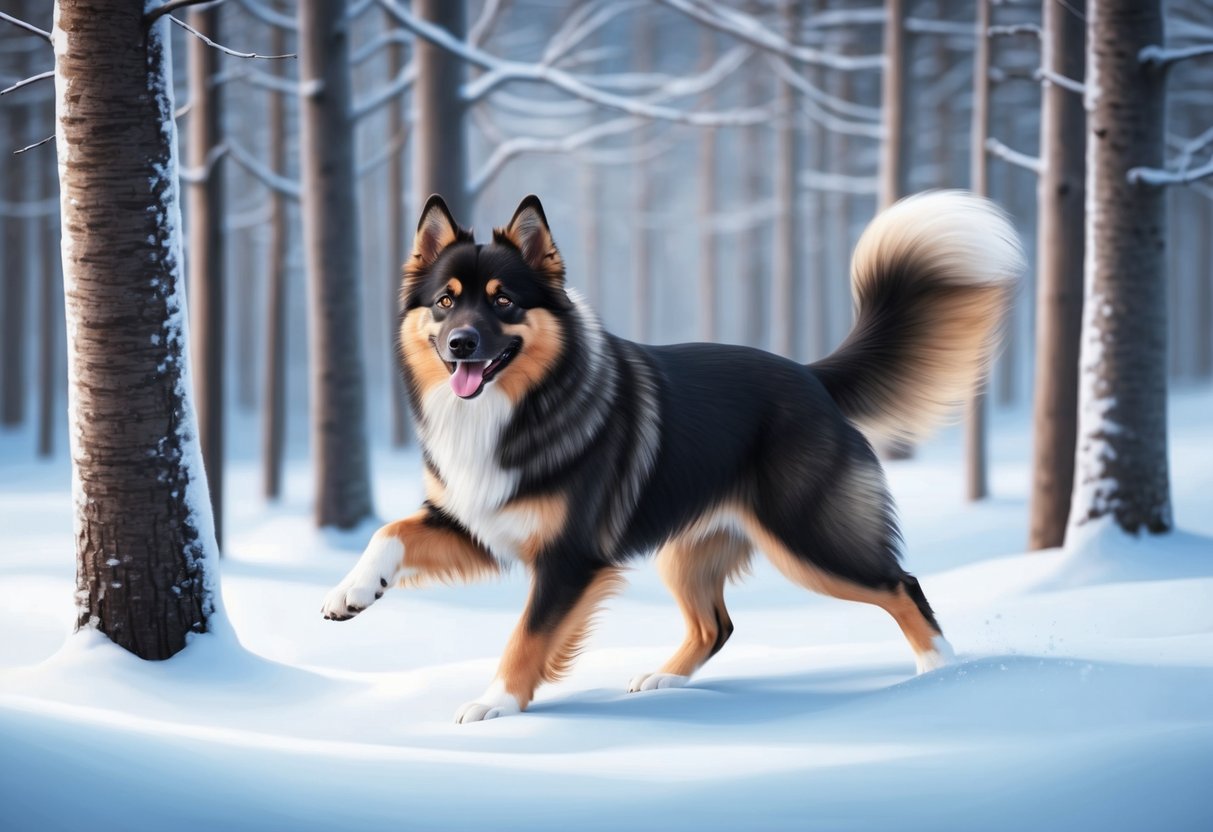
{"points": [[468, 377]]}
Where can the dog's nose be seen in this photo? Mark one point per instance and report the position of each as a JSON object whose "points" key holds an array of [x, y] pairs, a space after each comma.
{"points": [[462, 342]]}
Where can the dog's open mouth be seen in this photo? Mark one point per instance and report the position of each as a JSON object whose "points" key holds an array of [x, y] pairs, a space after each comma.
{"points": [[469, 377]]}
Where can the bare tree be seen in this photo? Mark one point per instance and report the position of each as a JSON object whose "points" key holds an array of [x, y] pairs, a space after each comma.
{"points": [[330, 210], [440, 143], [1059, 268], [144, 536]]}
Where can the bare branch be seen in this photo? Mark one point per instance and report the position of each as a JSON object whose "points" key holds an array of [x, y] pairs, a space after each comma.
{"points": [[25, 82], [817, 180], [580, 25], [996, 148], [269, 16], [1162, 58], [49, 138], [223, 48], [873, 15], [403, 80], [1014, 29], [171, 6], [275, 182], [484, 24], [266, 81], [29, 27], [1158, 178], [1191, 147], [372, 47], [200, 175], [358, 9], [744, 27], [1051, 77], [925, 26], [817, 96]]}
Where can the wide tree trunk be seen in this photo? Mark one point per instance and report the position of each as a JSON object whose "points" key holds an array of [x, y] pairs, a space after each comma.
{"points": [[1121, 469], [709, 259], [976, 479], [1059, 264], [204, 252], [144, 536], [398, 242], [330, 222], [440, 149]]}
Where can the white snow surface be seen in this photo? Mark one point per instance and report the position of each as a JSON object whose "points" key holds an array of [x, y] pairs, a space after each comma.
{"points": [[1081, 696]]}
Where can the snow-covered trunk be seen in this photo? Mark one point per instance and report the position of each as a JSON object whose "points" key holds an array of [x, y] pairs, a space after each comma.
{"points": [[709, 263], [330, 239], [398, 245], [145, 543], [440, 153], [1121, 461], [787, 164], [205, 262], [976, 479], [273, 412], [1059, 264]]}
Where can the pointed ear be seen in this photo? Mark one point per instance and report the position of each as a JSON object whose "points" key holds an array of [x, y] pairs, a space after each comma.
{"points": [[436, 230], [529, 233]]}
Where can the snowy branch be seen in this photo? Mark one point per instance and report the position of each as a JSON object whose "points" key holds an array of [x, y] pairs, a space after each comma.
{"points": [[1191, 147], [1051, 77], [48, 139], [580, 25], [25, 82], [846, 17], [199, 175], [225, 50], [746, 28], [1158, 178], [268, 16], [266, 81], [1161, 58], [371, 48], [484, 24], [924, 26], [816, 180], [996, 148], [403, 80], [29, 27], [275, 182], [172, 6], [817, 96], [1014, 29], [358, 9]]}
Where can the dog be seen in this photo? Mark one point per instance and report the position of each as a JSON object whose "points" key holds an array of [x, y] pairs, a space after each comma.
{"points": [[550, 442]]}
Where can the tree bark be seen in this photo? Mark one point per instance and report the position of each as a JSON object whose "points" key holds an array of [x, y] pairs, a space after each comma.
{"points": [[976, 478], [787, 255], [398, 246], [49, 312], [205, 251], [330, 220], [144, 535], [1121, 468], [273, 414], [1059, 258], [440, 152], [709, 262]]}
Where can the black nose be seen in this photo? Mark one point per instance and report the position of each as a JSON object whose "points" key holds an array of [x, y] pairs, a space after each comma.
{"points": [[462, 342]]}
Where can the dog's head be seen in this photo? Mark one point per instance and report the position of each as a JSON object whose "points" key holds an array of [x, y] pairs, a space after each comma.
{"points": [[475, 315]]}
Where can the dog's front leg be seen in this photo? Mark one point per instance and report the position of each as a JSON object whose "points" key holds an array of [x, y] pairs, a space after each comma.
{"points": [[547, 638], [425, 545]]}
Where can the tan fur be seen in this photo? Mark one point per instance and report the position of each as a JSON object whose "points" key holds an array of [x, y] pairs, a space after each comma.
{"points": [[529, 233], [416, 330], [534, 657], [542, 337], [454, 286], [438, 554], [695, 569], [546, 514]]}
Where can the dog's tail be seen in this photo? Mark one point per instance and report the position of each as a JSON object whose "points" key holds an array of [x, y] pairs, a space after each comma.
{"points": [[931, 277]]}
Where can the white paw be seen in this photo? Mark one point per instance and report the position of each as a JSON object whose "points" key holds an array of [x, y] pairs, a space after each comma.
{"points": [[941, 656], [379, 568], [656, 681], [493, 703]]}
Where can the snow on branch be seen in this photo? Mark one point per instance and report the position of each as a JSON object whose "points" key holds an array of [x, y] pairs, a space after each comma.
{"points": [[484, 24], [925, 26], [357, 10], [1191, 147], [274, 181], [996, 148], [579, 25], [817, 180], [372, 47], [846, 17], [25, 82], [746, 28], [824, 99], [393, 148], [1160, 57], [1051, 77], [394, 89], [268, 16], [171, 6], [202, 173], [29, 27], [1159, 178], [264, 80], [47, 140], [225, 50], [1012, 29], [567, 82]]}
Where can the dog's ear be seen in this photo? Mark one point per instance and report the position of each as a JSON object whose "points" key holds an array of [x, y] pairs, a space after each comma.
{"points": [[436, 230], [528, 232]]}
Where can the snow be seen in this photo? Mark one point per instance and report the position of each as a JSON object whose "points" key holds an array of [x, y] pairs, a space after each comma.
{"points": [[1080, 696]]}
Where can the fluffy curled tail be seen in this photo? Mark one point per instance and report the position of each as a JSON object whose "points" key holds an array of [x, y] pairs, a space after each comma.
{"points": [[931, 278]]}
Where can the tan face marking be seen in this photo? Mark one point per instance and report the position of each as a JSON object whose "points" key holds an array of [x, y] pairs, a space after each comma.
{"points": [[492, 288], [542, 337], [454, 287], [427, 369]]}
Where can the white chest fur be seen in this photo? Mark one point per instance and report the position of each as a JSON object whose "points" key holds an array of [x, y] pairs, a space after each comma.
{"points": [[461, 438]]}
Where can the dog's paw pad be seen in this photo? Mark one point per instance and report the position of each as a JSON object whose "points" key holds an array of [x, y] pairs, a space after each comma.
{"points": [[656, 681]]}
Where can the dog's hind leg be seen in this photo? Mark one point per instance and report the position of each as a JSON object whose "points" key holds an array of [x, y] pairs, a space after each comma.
{"points": [[695, 570]]}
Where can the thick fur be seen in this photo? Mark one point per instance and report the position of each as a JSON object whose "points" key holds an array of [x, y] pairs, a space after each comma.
{"points": [[586, 450]]}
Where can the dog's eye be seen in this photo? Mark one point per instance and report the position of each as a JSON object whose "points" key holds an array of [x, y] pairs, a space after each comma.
{"points": [[502, 302], [444, 302]]}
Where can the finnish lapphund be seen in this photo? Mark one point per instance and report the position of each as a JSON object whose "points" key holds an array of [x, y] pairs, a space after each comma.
{"points": [[549, 441]]}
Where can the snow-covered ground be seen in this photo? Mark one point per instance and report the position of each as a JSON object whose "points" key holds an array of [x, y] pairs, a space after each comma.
{"points": [[1083, 698]]}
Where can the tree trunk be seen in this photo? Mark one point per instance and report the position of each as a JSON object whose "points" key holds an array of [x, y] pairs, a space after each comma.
{"points": [[642, 201], [398, 240], [787, 256], [144, 536], [709, 263], [893, 162], [49, 312], [1204, 293], [976, 479], [16, 279], [1121, 469], [1059, 255], [752, 261], [330, 221], [440, 152], [273, 414], [205, 257]]}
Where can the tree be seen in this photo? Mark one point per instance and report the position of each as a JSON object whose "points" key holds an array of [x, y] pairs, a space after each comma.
{"points": [[397, 241], [1059, 269], [440, 142], [1121, 465], [787, 215], [976, 479], [330, 211], [144, 535]]}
